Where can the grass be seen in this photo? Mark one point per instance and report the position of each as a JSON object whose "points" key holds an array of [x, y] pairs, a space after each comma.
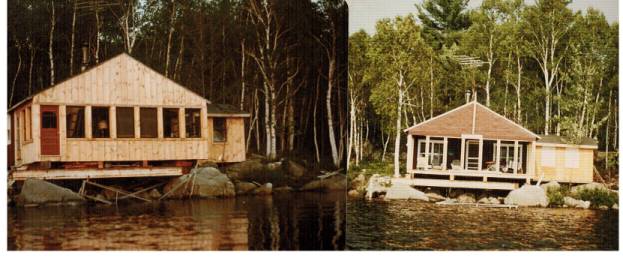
{"points": [[369, 168]]}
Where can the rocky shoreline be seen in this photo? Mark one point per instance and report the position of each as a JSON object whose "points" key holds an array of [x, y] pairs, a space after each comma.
{"points": [[546, 195], [252, 177]]}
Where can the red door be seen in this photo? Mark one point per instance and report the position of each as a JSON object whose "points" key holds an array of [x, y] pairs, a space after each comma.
{"points": [[50, 139]]}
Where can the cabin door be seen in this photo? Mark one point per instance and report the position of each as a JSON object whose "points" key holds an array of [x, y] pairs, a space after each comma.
{"points": [[50, 138], [471, 155]]}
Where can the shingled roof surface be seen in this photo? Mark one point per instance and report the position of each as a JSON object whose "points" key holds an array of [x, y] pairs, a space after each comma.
{"points": [[555, 139], [473, 118], [225, 109]]}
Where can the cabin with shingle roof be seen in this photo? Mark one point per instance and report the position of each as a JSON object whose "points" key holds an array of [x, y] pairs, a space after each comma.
{"points": [[472, 146]]}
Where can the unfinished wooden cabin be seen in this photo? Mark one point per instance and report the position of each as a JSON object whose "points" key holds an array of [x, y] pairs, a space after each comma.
{"points": [[226, 127], [117, 115], [472, 146]]}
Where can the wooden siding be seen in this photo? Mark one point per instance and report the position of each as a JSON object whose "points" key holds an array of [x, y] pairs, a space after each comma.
{"points": [[232, 150], [120, 81], [560, 173]]}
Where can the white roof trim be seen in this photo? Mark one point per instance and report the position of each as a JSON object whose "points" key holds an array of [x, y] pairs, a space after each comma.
{"points": [[565, 145]]}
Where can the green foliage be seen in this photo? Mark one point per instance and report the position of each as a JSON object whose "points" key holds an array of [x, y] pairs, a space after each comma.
{"points": [[443, 20], [556, 196], [598, 197]]}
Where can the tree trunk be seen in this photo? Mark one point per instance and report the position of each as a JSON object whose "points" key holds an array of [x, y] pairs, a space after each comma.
{"points": [[398, 128], [19, 69], [169, 39], [71, 44], [332, 142], [51, 45]]}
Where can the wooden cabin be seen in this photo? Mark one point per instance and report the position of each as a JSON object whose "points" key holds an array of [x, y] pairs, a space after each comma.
{"points": [[559, 160], [472, 146], [118, 114], [226, 125]]}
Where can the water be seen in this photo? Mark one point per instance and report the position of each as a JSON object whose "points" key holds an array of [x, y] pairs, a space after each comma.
{"points": [[412, 225], [306, 221]]}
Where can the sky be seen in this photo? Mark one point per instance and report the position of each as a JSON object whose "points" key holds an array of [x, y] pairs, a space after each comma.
{"points": [[364, 13]]}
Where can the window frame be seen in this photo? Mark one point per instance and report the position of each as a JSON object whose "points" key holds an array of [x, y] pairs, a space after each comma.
{"points": [[133, 121], [84, 122], [188, 114], [164, 122], [141, 124], [94, 124], [214, 129]]}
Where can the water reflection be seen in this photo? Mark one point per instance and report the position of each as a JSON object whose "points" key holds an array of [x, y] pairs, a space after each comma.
{"points": [[308, 221], [411, 225]]}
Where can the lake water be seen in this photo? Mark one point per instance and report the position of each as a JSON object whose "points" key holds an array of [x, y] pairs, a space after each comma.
{"points": [[306, 221], [412, 225]]}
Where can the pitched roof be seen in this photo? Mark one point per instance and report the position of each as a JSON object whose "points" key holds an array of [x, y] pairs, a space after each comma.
{"points": [[473, 118], [225, 110], [555, 139]]}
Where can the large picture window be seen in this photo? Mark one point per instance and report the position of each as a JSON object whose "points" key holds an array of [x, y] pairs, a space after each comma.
{"points": [[171, 122], [125, 122], [149, 122], [100, 122], [192, 117], [75, 122], [220, 129], [548, 156]]}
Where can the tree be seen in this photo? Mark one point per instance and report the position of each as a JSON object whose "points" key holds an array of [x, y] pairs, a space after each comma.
{"points": [[442, 20]]}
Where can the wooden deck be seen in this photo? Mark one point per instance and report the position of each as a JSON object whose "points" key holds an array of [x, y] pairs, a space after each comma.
{"points": [[483, 174], [64, 174], [462, 184], [468, 179]]}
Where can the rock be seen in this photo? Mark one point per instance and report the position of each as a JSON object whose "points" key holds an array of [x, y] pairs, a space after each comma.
{"points": [[550, 185], [527, 195], [570, 202], [615, 206], [493, 200], [484, 200], [296, 170], [36, 191], [265, 189], [358, 183], [274, 166], [208, 182], [454, 193], [435, 197], [399, 191], [153, 194], [283, 189], [466, 198], [244, 187], [244, 170], [447, 201], [603, 207], [377, 184], [206, 163], [589, 186], [354, 193], [335, 182]]}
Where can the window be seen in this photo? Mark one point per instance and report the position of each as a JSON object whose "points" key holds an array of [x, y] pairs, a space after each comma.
{"points": [[28, 124], [8, 123], [507, 154], [548, 156], [572, 158], [125, 122], [193, 122], [100, 122], [171, 122], [75, 122], [48, 119], [220, 129], [149, 122], [435, 154]]}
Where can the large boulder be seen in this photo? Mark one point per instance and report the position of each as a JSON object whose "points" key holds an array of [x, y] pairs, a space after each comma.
{"points": [[244, 187], [377, 184], [435, 197], [283, 189], [334, 182], [36, 191], [245, 170], [527, 195], [296, 170], [358, 183], [493, 200], [570, 202], [466, 198], [265, 189], [399, 191], [553, 185], [203, 182], [589, 186]]}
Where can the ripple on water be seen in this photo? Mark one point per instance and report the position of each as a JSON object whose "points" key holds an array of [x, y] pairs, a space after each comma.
{"points": [[413, 225]]}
